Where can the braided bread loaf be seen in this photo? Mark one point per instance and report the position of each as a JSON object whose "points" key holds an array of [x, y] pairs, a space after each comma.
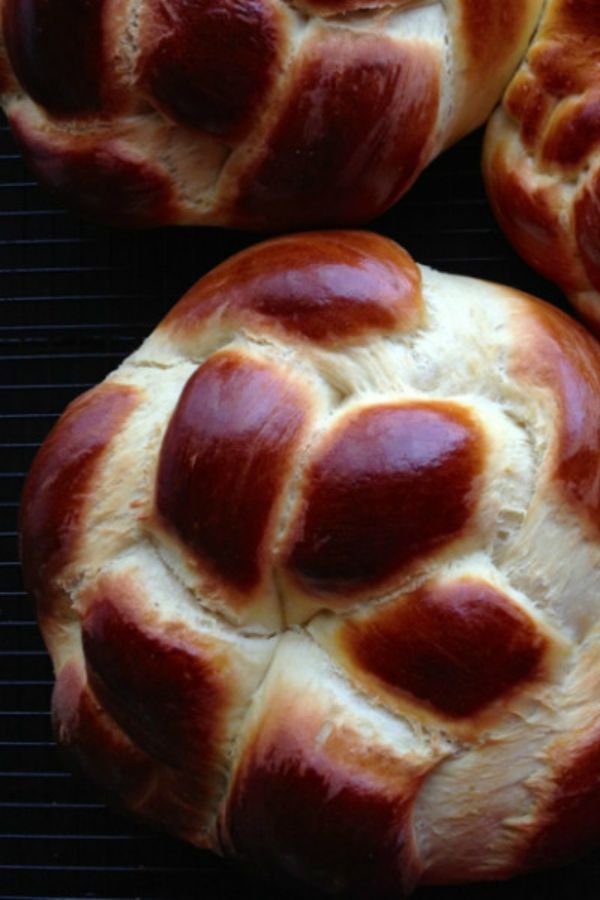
{"points": [[542, 159], [253, 113], [319, 570]]}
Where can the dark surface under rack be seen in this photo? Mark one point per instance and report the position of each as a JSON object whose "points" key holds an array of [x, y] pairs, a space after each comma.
{"points": [[75, 298]]}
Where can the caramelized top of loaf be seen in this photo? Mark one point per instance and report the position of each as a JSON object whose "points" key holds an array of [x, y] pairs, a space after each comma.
{"points": [[285, 114], [318, 568], [541, 158], [261, 113]]}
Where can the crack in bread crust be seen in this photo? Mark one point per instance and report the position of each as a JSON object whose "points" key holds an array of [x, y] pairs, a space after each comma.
{"points": [[422, 461]]}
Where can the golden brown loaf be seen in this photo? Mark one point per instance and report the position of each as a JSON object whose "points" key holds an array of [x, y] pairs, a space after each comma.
{"points": [[254, 113], [319, 569], [278, 114], [542, 160]]}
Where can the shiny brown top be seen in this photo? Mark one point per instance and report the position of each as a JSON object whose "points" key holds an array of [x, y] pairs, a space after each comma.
{"points": [[560, 356], [168, 798], [455, 646], [272, 114], [223, 465], [326, 815], [569, 823], [387, 487], [348, 150], [567, 816], [488, 27], [60, 484], [157, 684], [587, 229], [530, 216], [540, 153], [210, 65], [35, 33], [100, 174], [328, 288], [337, 7], [93, 739], [562, 65]]}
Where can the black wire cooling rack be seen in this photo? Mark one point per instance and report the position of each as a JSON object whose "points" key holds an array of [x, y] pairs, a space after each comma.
{"points": [[75, 298]]}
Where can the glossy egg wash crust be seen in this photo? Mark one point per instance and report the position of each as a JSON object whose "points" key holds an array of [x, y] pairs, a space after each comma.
{"points": [[318, 567], [541, 155], [251, 113], [286, 114]]}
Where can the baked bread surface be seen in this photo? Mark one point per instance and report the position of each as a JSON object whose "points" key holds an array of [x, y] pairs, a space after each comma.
{"points": [[283, 114], [251, 113], [541, 159], [318, 567]]}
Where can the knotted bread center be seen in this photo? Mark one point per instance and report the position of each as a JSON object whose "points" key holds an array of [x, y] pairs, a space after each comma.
{"points": [[301, 558]]}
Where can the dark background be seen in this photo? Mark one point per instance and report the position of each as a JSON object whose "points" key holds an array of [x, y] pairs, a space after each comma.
{"points": [[75, 299]]}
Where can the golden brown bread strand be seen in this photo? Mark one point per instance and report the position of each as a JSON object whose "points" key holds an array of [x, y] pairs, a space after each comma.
{"points": [[319, 570], [252, 113], [541, 160]]}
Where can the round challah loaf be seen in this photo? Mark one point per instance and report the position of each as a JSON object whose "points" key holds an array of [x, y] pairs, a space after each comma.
{"points": [[319, 569], [542, 159], [253, 113]]}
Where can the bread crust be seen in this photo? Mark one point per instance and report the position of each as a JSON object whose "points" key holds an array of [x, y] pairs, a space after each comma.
{"points": [[262, 114], [355, 568], [541, 154]]}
